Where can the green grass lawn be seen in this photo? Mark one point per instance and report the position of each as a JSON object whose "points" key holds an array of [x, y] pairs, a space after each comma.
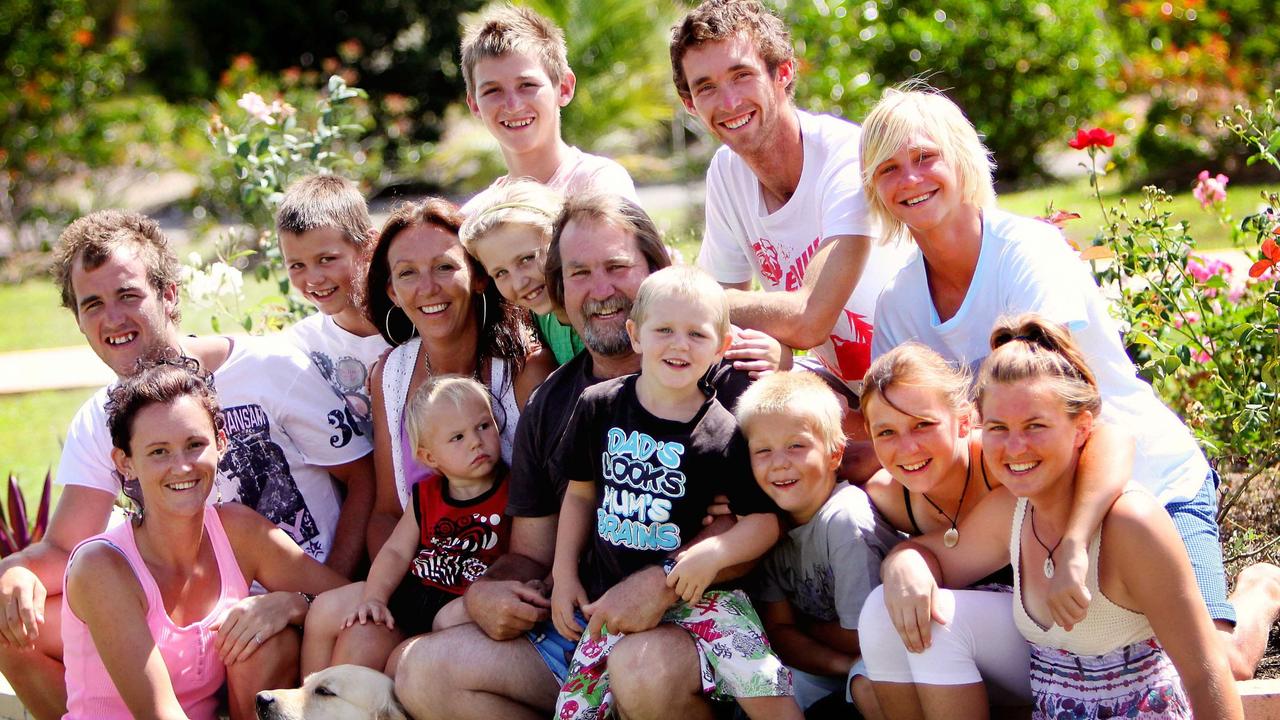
{"points": [[32, 428], [1078, 197]]}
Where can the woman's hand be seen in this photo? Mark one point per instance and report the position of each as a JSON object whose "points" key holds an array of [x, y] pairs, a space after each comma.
{"points": [[757, 353], [1069, 597], [252, 621], [371, 610], [567, 594], [911, 596]]}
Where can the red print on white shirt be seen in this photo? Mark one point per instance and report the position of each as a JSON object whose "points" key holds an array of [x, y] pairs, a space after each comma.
{"points": [[771, 269], [853, 354]]}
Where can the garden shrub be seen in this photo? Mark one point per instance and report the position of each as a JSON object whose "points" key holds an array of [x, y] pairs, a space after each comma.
{"points": [[1209, 336], [1024, 71], [55, 70], [407, 49], [1195, 60]]}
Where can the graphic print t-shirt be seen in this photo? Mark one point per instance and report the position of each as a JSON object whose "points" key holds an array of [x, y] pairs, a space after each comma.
{"points": [[284, 427], [743, 240], [458, 539], [344, 359], [654, 477]]}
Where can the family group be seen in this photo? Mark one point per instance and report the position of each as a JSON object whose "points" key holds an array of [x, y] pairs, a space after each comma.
{"points": [[571, 479]]}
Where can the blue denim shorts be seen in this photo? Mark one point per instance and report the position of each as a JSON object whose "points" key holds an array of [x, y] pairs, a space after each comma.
{"points": [[1197, 523], [556, 650]]}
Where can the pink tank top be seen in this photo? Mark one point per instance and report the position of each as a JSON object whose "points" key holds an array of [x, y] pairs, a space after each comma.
{"points": [[189, 654]]}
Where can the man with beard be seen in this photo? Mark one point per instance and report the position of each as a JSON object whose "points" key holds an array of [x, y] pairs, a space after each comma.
{"points": [[511, 662], [286, 438]]}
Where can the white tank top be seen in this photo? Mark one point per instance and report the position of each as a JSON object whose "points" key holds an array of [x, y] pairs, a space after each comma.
{"points": [[1105, 627]]}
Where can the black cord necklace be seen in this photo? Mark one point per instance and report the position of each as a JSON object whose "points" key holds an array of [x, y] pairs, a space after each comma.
{"points": [[951, 537], [1048, 561]]}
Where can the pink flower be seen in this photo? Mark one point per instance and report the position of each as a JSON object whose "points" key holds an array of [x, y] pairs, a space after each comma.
{"points": [[1192, 318], [257, 108], [1210, 190]]}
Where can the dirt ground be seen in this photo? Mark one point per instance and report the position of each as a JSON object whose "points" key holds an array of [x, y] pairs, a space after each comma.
{"points": [[1256, 511]]}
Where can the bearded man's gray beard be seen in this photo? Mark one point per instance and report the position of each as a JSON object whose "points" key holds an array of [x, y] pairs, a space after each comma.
{"points": [[611, 340]]}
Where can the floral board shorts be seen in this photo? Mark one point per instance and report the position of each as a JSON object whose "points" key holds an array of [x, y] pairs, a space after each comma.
{"points": [[734, 657]]}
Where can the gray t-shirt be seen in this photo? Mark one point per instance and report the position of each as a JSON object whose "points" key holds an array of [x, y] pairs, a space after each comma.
{"points": [[827, 567]]}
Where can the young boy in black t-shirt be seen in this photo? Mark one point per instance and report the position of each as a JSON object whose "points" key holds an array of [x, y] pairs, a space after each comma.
{"points": [[645, 455]]}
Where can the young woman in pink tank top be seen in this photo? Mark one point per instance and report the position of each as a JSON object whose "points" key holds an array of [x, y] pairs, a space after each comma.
{"points": [[145, 623]]}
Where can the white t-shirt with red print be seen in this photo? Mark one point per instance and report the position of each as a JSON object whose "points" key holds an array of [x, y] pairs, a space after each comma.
{"points": [[744, 240]]}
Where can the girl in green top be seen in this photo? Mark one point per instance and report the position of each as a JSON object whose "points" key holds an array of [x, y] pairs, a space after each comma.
{"points": [[509, 235]]}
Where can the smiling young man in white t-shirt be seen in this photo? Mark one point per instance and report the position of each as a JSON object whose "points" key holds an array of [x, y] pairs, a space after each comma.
{"points": [[784, 196], [287, 441]]}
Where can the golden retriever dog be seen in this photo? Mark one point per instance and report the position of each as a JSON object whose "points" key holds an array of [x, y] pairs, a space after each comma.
{"points": [[343, 692]]}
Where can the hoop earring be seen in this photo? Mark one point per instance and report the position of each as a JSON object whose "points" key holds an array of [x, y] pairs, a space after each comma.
{"points": [[484, 310], [412, 332]]}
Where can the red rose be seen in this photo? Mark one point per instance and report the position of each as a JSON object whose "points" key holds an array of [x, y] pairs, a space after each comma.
{"points": [[1096, 137]]}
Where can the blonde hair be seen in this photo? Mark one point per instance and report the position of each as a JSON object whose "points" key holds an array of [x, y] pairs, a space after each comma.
{"points": [[509, 29], [799, 394], [453, 389], [685, 282], [916, 365], [1029, 347], [914, 107], [326, 201], [524, 202]]}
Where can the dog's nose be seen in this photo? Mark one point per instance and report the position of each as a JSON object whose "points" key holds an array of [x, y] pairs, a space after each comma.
{"points": [[265, 701]]}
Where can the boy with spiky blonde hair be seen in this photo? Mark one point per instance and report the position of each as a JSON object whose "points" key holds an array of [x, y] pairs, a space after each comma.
{"points": [[517, 76], [818, 577]]}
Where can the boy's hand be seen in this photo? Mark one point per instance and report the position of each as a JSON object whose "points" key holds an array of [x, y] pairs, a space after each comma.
{"points": [[756, 353], [370, 611], [694, 572], [567, 595], [1069, 598], [718, 508]]}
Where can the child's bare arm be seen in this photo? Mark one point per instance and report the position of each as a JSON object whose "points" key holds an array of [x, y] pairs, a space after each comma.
{"points": [[393, 559], [571, 538], [752, 536], [800, 649]]}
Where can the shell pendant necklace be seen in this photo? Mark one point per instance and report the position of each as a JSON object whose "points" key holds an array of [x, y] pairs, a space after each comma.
{"points": [[951, 537], [1048, 561]]}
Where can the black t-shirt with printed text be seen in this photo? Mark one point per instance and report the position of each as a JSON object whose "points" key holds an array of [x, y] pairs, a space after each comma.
{"points": [[654, 477], [538, 480]]}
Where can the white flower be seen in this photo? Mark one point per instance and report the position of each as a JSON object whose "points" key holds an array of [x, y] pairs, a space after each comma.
{"points": [[205, 287], [257, 108]]}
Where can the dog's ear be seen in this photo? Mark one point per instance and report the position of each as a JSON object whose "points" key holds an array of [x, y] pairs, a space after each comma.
{"points": [[391, 710]]}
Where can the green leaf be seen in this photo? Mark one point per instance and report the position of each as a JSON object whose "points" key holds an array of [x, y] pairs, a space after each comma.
{"points": [[247, 323], [215, 323]]}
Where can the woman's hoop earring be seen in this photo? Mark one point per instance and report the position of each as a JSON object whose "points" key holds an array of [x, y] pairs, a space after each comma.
{"points": [[412, 332], [484, 309]]}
